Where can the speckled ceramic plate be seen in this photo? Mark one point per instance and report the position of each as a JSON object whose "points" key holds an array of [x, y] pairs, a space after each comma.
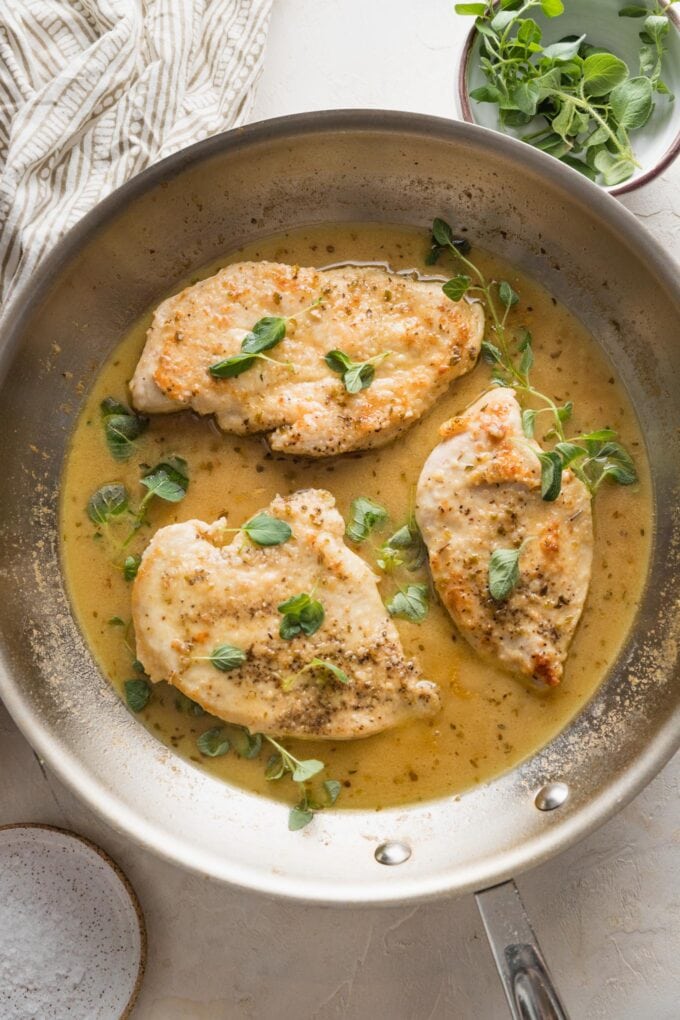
{"points": [[72, 935]]}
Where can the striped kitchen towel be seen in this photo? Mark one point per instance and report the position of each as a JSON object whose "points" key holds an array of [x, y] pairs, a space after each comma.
{"points": [[92, 91]]}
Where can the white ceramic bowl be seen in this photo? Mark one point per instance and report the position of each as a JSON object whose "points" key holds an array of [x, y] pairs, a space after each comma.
{"points": [[657, 144]]}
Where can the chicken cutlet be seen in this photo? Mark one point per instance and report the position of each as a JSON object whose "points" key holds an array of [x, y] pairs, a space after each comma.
{"points": [[226, 621], [419, 339], [480, 490]]}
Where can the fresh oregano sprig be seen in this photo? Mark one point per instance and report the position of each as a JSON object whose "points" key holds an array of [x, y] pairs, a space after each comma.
{"points": [[582, 100], [167, 481], [655, 28], [503, 571], [264, 529], [224, 657], [321, 668], [107, 503], [304, 811], [122, 427], [356, 375], [265, 334], [213, 743], [410, 603], [219, 740], [300, 614], [137, 694], [403, 548], [284, 763], [131, 565], [592, 456], [364, 515]]}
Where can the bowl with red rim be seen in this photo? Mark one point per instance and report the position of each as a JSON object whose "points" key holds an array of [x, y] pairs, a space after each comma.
{"points": [[657, 143]]}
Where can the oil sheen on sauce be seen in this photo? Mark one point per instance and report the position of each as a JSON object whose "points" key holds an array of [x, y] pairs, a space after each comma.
{"points": [[490, 721]]}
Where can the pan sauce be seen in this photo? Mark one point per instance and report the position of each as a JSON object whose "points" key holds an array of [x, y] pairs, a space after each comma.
{"points": [[489, 721]]}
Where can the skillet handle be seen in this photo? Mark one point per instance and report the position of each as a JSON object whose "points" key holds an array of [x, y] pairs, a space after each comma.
{"points": [[526, 979]]}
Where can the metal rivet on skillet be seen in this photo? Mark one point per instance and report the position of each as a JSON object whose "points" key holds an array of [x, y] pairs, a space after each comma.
{"points": [[392, 853], [551, 796]]}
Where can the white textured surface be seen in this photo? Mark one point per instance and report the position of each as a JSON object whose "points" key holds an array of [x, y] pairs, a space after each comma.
{"points": [[607, 912]]}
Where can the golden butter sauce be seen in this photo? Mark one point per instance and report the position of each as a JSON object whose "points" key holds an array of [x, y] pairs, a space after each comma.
{"points": [[489, 721]]}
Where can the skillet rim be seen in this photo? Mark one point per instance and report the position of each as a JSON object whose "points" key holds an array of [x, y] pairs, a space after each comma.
{"points": [[602, 804]]}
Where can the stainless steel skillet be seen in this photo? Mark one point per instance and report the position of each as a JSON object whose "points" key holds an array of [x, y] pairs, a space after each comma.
{"points": [[186, 211]]}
